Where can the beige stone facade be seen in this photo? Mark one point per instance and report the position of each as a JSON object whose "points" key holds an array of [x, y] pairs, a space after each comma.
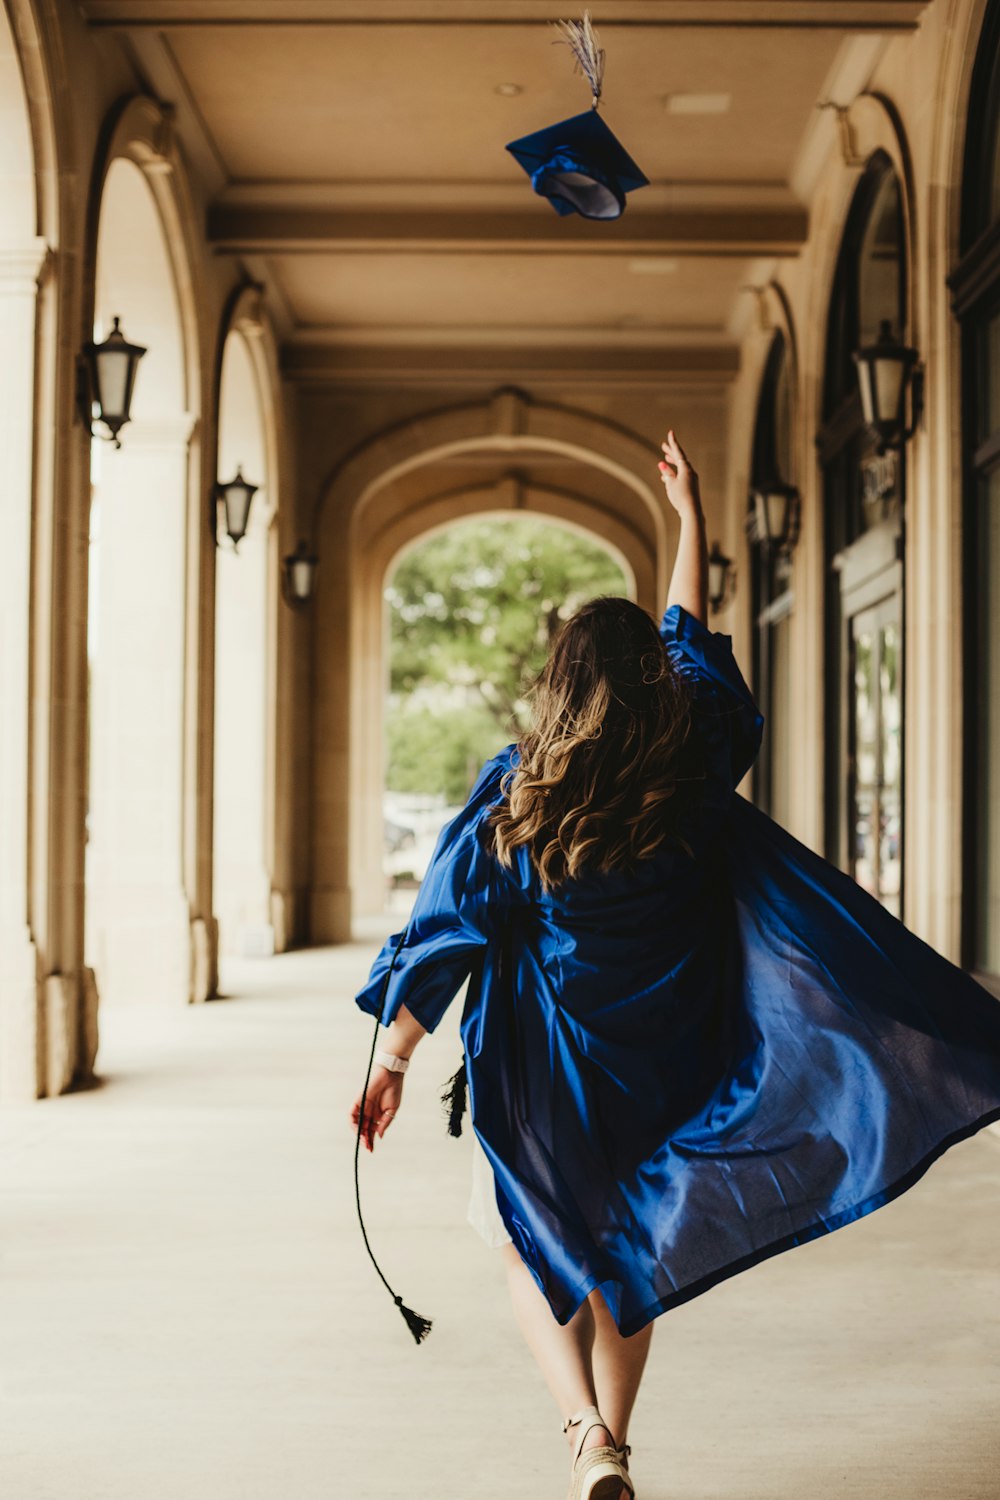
{"points": [[304, 210]]}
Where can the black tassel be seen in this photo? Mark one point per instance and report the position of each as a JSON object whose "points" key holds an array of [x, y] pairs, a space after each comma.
{"points": [[419, 1326], [453, 1099]]}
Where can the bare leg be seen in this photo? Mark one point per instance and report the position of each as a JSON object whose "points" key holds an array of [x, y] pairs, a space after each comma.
{"points": [[617, 1364], [562, 1351]]}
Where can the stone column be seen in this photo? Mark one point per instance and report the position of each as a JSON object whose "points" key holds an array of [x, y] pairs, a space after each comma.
{"points": [[21, 1034], [137, 932]]}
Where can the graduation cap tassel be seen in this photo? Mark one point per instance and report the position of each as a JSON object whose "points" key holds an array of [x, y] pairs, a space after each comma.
{"points": [[581, 39], [453, 1099], [419, 1326]]}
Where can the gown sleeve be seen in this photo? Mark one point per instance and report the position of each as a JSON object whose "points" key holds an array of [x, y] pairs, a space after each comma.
{"points": [[723, 701], [452, 919]]}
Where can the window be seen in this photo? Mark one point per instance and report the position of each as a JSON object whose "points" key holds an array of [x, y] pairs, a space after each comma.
{"points": [[770, 591], [975, 286], [863, 499]]}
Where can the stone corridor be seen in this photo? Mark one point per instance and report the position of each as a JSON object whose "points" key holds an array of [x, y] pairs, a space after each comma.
{"points": [[188, 1312]]}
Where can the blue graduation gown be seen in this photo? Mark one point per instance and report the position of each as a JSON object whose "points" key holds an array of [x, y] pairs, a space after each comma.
{"points": [[678, 1073]]}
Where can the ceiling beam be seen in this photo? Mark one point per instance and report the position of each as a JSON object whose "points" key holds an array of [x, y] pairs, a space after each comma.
{"points": [[843, 15], [332, 363], [688, 231]]}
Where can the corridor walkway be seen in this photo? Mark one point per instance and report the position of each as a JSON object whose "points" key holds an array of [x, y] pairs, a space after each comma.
{"points": [[187, 1311]]}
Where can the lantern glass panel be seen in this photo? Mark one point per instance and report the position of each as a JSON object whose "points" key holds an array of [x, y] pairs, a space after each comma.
{"points": [[237, 497], [772, 512], [112, 382], [716, 579], [868, 410], [887, 388], [760, 502], [777, 512], [302, 577]]}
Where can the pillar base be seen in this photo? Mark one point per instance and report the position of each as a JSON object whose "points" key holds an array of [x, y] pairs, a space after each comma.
{"points": [[88, 1028], [204, 959], [288, 918], [60, 994]]}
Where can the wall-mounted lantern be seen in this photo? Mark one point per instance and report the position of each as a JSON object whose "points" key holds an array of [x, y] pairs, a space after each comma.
{"points": [[105, 381], [886, 370], [721, 579], [776, 515], [236, 497], [300, 576]]}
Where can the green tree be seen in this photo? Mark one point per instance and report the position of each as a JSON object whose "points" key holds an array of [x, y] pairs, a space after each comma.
{"points": [[473, 611]]}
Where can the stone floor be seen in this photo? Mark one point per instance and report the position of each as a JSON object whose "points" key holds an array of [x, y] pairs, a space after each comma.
{"points": [[187, 1311]]}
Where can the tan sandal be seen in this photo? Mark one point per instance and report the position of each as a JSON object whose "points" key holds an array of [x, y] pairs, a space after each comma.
{"points": [[599, 1473]]}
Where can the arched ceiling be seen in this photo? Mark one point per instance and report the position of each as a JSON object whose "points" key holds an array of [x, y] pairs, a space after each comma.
{"points": [[354, 153]]}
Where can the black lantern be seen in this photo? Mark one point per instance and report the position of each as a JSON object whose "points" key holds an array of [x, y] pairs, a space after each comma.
{"points": [[106, 379], [721, 578], [236, 497], [300, 575], [885, 370], [775, 518]]}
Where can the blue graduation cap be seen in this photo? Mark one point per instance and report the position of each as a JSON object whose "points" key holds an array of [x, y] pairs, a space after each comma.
{"points": [[579, 164]]}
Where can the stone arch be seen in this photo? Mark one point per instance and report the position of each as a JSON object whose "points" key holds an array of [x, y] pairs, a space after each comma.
{"points": [[29, 232], [870, 125], [140, 130], [28, 138], [776, 316], [507, 429], [509, 424], [246, 620], [871, 128], [139, 263]]}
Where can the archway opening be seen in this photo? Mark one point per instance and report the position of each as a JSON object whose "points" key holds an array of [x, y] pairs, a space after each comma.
{"points": [[505, 453], [137, 920], [243, 773], [470, 612], [21, 328]]}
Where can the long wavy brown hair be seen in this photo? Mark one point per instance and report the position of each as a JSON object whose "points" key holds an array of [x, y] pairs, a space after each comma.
{"points": [[596, 783]]}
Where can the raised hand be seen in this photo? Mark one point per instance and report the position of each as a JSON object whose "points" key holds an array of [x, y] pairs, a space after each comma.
{"points": [[679, 479]]}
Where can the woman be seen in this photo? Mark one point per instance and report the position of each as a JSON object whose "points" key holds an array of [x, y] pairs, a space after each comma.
{"points": [[691, 1043]]}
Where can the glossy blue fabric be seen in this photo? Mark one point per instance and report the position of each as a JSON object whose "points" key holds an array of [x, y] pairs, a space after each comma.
{"points": [[678, 1074]]}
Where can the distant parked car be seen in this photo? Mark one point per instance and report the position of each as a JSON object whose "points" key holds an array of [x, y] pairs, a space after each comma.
{"points": [[397, 836]]}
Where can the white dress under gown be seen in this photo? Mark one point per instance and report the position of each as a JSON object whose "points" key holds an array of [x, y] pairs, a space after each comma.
{"points": [[483, 1214]]}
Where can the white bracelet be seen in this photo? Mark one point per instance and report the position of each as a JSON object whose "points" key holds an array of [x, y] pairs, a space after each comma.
{"points": [[392, 1061]]}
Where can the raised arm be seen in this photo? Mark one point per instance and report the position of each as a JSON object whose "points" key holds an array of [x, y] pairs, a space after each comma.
{"points": [[689, 579]]}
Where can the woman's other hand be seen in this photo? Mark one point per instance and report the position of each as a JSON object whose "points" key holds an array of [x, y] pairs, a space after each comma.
{"points": [[679, 479], [382, 1101], [689, 578]]}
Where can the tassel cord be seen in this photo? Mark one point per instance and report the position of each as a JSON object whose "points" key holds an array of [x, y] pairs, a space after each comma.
{"points": [[419, 1326]]}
